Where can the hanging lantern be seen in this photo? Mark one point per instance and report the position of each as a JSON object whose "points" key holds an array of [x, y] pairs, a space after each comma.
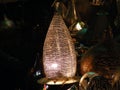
{"points": [[59, 57]]}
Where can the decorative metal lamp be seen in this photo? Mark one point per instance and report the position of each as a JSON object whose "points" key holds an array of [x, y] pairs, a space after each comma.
{"points": [[59, 57]]}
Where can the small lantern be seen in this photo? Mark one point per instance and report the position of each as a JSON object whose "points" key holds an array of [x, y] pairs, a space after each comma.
{"points": [[59, 57]]}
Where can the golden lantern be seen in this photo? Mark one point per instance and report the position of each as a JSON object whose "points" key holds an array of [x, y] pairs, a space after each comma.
{"points": [[59, 57]]}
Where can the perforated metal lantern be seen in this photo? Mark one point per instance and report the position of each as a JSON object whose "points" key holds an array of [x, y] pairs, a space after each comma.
{"points": [[59, 57]]}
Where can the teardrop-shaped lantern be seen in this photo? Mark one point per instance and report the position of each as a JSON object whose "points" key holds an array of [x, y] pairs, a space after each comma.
{"points": [[59, 57]]}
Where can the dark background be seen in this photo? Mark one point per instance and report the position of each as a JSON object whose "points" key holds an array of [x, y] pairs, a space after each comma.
{"points": [[20, 44]]}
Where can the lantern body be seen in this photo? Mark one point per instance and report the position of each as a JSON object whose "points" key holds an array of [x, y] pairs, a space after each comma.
{"points": [[59, 57]]}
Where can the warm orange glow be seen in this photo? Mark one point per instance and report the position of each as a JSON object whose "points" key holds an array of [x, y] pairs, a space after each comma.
{"points": [[83, 82], [61, 82], [86, 65]]}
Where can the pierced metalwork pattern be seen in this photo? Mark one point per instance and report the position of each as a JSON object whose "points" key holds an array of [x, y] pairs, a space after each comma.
{"points": [[59, 57]]}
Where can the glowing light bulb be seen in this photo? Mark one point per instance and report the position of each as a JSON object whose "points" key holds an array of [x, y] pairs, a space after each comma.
{"points": [[54, 66]]}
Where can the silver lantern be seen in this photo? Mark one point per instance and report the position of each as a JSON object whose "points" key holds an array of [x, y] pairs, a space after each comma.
{"points": [[59, 56]]}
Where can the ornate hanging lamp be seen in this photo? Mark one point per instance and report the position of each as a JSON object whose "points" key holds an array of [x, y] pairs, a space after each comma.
{"points": [[59, 57]]}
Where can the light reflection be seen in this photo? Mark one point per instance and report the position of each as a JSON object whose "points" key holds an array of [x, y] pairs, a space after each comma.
{"points": [[61, 82], [78, 26], [54, 65], [38, 73]]}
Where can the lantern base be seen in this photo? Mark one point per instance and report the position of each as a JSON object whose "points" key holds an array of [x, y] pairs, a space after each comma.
{"points": [[59, 84]]}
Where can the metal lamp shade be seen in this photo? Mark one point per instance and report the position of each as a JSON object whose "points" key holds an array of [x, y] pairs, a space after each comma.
{"points": [[59, 57]]}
